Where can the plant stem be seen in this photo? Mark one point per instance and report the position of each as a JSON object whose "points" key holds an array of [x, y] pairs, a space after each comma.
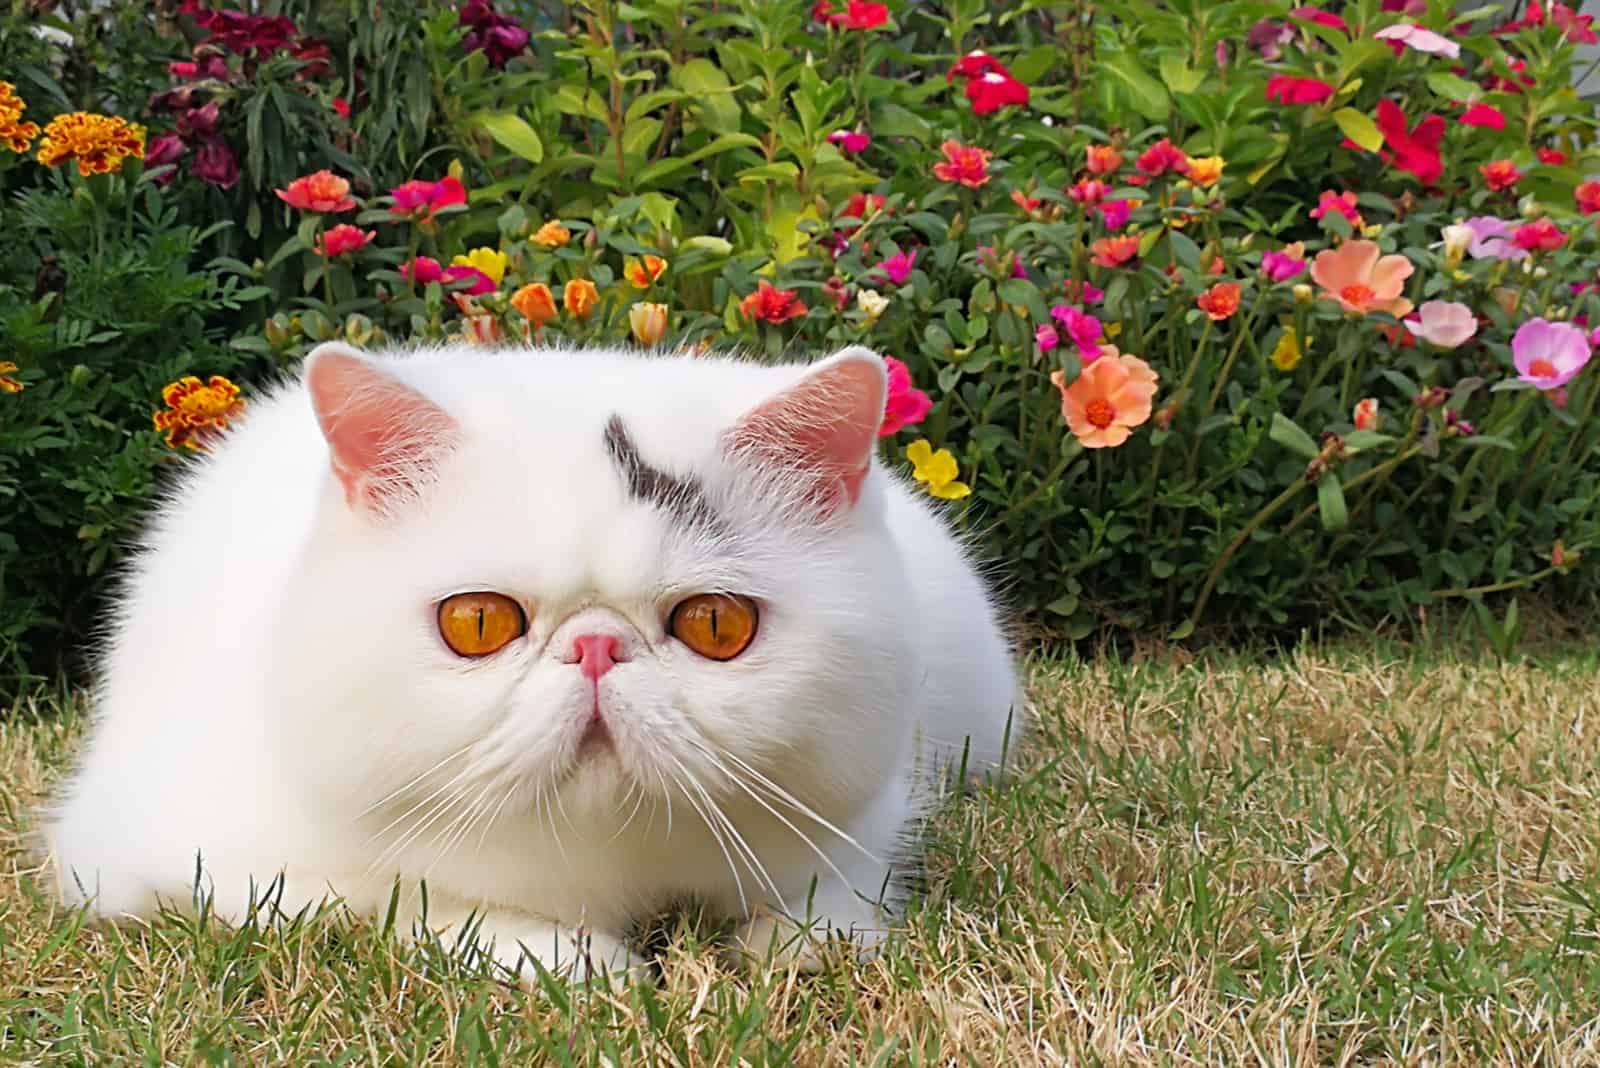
{"points": [[1238, 541]]}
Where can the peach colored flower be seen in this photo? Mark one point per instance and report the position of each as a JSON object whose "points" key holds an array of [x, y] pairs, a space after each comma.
{"points": [[551, 235], [1103, 159], [641, 274], [1111, 397], [322, 191], [1362, 280]]}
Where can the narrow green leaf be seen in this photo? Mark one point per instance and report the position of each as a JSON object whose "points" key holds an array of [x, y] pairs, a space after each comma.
{"points": [[1287, 432]]}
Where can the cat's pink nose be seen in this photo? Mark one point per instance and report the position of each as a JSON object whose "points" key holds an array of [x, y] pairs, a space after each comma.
{"points": [[596, 654]]}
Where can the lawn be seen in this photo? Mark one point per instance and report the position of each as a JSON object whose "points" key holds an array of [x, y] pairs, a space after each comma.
{"points": [[1332, 857]]}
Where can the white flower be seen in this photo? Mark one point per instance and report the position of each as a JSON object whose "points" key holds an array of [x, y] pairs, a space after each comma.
{"points": [[872, 302]]}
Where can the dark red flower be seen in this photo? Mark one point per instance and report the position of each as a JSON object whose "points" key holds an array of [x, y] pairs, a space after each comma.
{"points": [[1417, 150], [856, 15], [168, 148], [216, 164], [1161, 157], [497, 36], [1289, 90]]}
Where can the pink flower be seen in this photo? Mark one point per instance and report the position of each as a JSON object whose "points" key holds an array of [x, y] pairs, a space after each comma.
{"points": [[422, 270], [1311, 13], [1161, 157], [1443, 323], [480, 283], [1542, 235], [1088, 192], [342, 239], [1282, 266], [1084, 293], [1084, 329], [1485, 115], [851, 141], [1412, 36], [897, 268], [1343, 203], [1491, 239], [1548, 354], [906, 404], [421, 200], [1046, 336], [1115, 212]]}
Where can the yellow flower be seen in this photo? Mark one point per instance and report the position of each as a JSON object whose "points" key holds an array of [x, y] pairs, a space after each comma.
{"points": [[98, 142], [1286, 356], [937, 470], [1206, 170], [14, 133], [490, 261], [8, 384], [197, 411], [580, 296], [551, 235], [649, 322]]}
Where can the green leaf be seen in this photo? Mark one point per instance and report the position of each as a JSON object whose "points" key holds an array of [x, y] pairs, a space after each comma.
{"points": [[708, 86], [1357, 440], [1149, 98], [892, 120], [513, 133], [1034, 64], [1178, 75], [1287, 432], [1452, 87], [1330, 502], [1182, 631], [1359, 128]]}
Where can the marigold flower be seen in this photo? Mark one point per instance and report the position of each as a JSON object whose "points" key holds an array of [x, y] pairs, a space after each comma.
{"points": [[1500, 175], [1547, 355], [14, 133], [551, 235], [1161, 157], [535, 302], [1219, 302], [1408, 35], [772, 305], [967, 165], [1446, 324], [855, 15], [98, 142], [7, 383], [1542, 236], [580, 296], [1206, 170], [643, 274], [1108, 399], [1286, 354], [343, 239], [1114, 251], [1362, 280], [323, 191], [490, 262], [1588, 196], [197, 412], [904, 405], [936, 470], [421, 200], [1365, 416], [1103, 159], [1286, 89], [648, 322]]}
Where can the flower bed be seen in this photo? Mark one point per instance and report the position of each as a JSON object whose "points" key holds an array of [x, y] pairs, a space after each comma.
{"points": [[1243, 318]]}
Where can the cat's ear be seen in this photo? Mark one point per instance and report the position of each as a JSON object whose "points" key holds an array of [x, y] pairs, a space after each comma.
{"points": [[384, 437], [823, 428]]}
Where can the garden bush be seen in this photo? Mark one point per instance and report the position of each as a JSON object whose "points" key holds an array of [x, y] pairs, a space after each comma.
{"points": [[1218, 319]]}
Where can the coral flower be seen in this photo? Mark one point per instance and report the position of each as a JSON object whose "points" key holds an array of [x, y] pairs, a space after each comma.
{"points": [[1446, 324], [1588, 197], [905, 405], [1114, 251], [1108, 400], [1342, 203], [1284, 265], [1539, 236], [1362, 280], [856, 15], [1486, 115], [98, 142], [1290, 90], [535, 302], [648, 321], [197, 412], [772, 305], [1365, 416], [642, 274], [1103, 159], [1220, 301], [1161, 157], [965, 164], [323, 191], [343, 239], [1206, 170], [1548, 355], [936, 470], [421, 200], [1500, 174], [1408, 35], [490, 262], [580, 296], [7, 383], [897, 268], [551, 235]]}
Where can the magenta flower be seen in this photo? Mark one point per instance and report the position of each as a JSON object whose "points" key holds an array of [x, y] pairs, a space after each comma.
{"points": [[1284, 265], [216, 164], [1115, 212], [420, 200], [1046, 336], [480, 282], [1485, 115], [1084, 293], [897, 268], [422, 270], [1083, 328], [851, 141], [905, 404], [1549, 354], [1491, 239], [1539, 236], [1415, 37], [1443, 323]]}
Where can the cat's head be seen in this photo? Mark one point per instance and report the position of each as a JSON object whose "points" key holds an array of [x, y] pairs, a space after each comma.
{"points": [[598, 573]]}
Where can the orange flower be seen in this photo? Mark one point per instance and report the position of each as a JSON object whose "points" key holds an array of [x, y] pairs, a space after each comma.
{"points": [[772, 305], [642, 275], [1362, 281], [964, 164], [1103, 159], [1114, 251], [1500, 174], [322, 191], [1205, 170], [197, 412], [551, 235], [14, 133], [649, 322], [98, 142], [1111, 397], [1365, 416], [536, 303], [7, 383], [1220, 301], [343, 239], [580, 296]]}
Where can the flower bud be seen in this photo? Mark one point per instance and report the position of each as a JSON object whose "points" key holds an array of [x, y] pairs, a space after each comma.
{"points": [[1303, 294], [649, 322]]}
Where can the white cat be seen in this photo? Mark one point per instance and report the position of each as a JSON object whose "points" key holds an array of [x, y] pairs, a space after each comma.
{"points": [[565, 634]]}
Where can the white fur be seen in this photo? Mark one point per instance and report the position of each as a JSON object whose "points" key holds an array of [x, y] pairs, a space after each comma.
{"points": [[276, 700]]}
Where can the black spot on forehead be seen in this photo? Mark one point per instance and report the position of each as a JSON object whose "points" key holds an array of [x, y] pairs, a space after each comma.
{"points": [[681, 495]]}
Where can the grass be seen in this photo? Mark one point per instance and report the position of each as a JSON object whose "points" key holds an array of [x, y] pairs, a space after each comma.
{"points": [[1336, 857]]}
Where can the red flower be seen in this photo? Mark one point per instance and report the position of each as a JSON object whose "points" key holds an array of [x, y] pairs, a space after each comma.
{"points": [[343, 239], [322, 191], [1311, 13], [856, 15], [1343, 203], [422, 270], [1161, 157], [420, 200], [993, 91], [1089, 192], [1114, 251], [1542, 235], [1500, 175], [1578, 28], [1553, 157], [1483, 115], [1588, 196], [1220, 301], [1515, 84], [1028, 204], [976, 63], [1416, 151], [772, 305], [964, 164], [341, 107], [1287, 90]]}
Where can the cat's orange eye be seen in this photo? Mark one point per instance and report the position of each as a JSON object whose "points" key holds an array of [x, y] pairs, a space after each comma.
{"points": [[477, 624], [718, 626]]}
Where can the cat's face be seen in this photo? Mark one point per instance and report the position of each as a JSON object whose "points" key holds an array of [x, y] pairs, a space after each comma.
{"points": [[600, 578]]}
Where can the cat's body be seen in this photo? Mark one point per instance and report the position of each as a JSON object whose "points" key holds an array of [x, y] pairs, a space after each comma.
{"points": [[277, 697]]}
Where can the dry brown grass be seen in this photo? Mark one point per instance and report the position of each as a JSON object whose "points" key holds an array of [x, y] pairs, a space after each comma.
{"points": [[1336, 858]]}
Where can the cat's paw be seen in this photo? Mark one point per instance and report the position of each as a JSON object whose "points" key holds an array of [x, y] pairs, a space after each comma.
{"points": [[772, 935]]}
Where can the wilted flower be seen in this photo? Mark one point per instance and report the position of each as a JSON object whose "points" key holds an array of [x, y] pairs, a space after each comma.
{"points": [[1443, 323], [323, 191], [1547, 355], [1047, 337]]}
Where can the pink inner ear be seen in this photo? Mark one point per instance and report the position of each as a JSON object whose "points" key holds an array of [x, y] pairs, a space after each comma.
{"points": [[383, 436], [825, 426]]}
